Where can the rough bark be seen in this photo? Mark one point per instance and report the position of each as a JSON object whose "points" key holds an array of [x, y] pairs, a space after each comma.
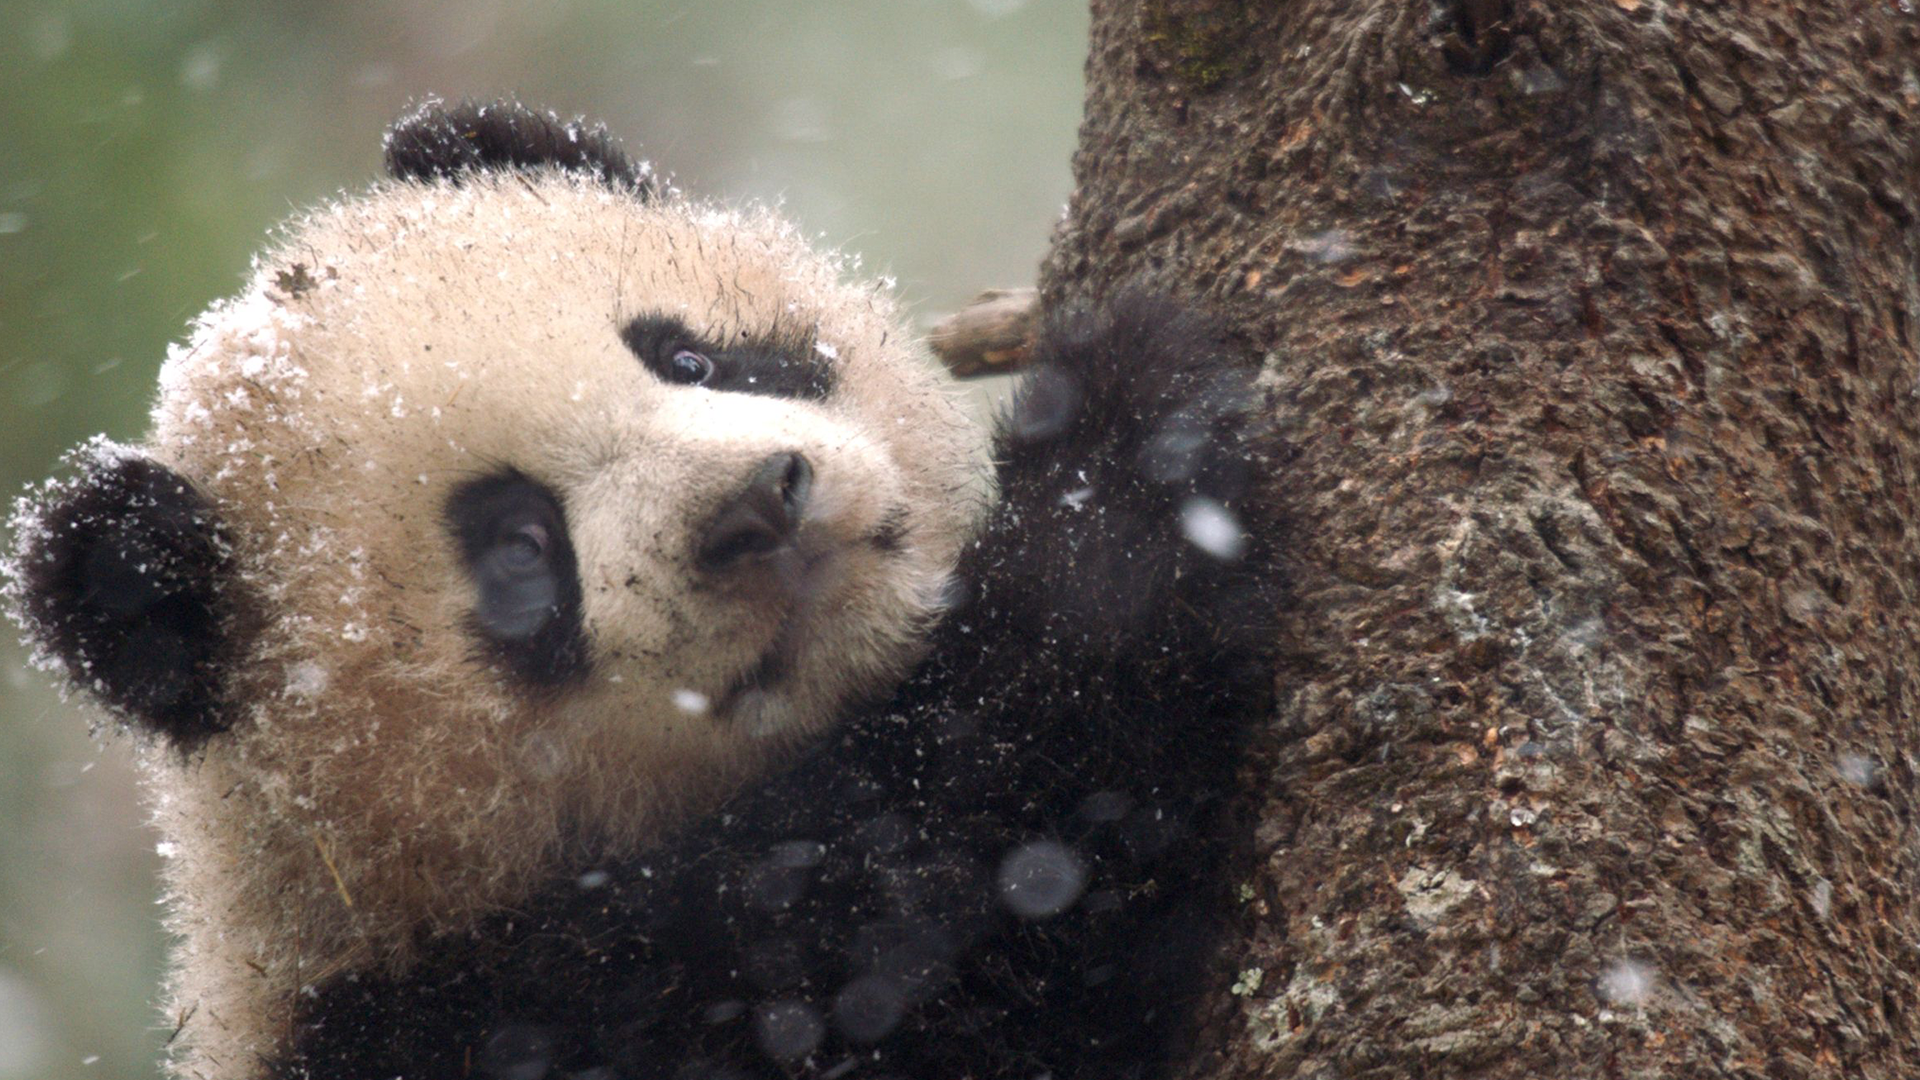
{"points": [[1591, 329]]}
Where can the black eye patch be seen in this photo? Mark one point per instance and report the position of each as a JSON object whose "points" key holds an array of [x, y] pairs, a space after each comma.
{"points": [[512, 539], [781, 363]]}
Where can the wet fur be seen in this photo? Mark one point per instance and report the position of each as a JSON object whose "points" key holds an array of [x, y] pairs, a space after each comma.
{"points": [[356, 791], [1090, 695], [342, 767]]}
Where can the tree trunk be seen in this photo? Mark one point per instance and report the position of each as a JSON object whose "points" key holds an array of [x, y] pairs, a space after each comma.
{"points": [[1590, 326]]}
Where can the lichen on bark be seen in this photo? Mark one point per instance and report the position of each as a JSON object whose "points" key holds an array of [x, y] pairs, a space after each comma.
{"points": [[1201, 44]]}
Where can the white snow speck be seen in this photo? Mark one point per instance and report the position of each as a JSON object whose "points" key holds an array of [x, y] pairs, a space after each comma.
{"points": [[1627, 982], [306, 679], [1042, 878], [1331, 246], [1077, 498], [50, 35], [200, 69], [24, 1018], [788, 1030], [253, 334], [1212, 528], [1857, 769], [545, 755], [826, 350], [692, 702]]}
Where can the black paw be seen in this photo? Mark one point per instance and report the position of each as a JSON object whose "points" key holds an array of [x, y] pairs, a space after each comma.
{"points": [[1141, 410], [1132, 517]]}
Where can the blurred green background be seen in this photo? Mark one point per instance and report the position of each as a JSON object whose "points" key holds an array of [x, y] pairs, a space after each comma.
{"points": [[146, 147]]}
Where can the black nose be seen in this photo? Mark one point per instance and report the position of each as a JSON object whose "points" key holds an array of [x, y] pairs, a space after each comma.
{"points": [[762, 517]]}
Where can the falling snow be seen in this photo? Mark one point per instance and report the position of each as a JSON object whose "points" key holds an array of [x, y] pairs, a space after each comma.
{"points": [[787, 1030], [1331, 246], [1626, 982], [1822, 898], [200, 68], [516, 1052], [1041, 879], [23, 1019], [306, 680], [1212, 528], [869, 1007], [1857, 769]]}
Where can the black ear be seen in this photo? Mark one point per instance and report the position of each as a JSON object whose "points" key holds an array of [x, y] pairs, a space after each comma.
{"points": [[437, 141], [121, 575]]}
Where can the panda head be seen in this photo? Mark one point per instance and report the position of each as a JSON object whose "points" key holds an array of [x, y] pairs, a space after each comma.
{"points": [[515, 504]]}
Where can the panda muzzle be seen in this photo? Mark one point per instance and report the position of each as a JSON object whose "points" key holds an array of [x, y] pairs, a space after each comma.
{"points": [[760, 519]]}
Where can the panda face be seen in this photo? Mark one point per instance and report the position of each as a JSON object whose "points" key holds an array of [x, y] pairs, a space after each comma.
{"points": [[512, 513], [542, 538]]}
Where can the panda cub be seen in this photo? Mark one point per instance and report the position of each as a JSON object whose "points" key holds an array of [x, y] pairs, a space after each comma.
{"points": [[574, 633]]}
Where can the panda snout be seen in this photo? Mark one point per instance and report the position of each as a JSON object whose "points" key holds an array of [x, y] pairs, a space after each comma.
{"points": [[761, 518]]}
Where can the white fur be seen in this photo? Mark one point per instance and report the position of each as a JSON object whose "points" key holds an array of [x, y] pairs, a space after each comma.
{"points": [[386, 779]]}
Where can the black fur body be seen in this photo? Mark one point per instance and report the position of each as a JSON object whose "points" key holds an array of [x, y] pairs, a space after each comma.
{"points": [[1015, 867]]}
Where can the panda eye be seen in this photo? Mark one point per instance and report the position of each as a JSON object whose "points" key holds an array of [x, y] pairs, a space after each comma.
{"points": [[778, 361], [522, 548], [689, 368], [511, 534]]}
